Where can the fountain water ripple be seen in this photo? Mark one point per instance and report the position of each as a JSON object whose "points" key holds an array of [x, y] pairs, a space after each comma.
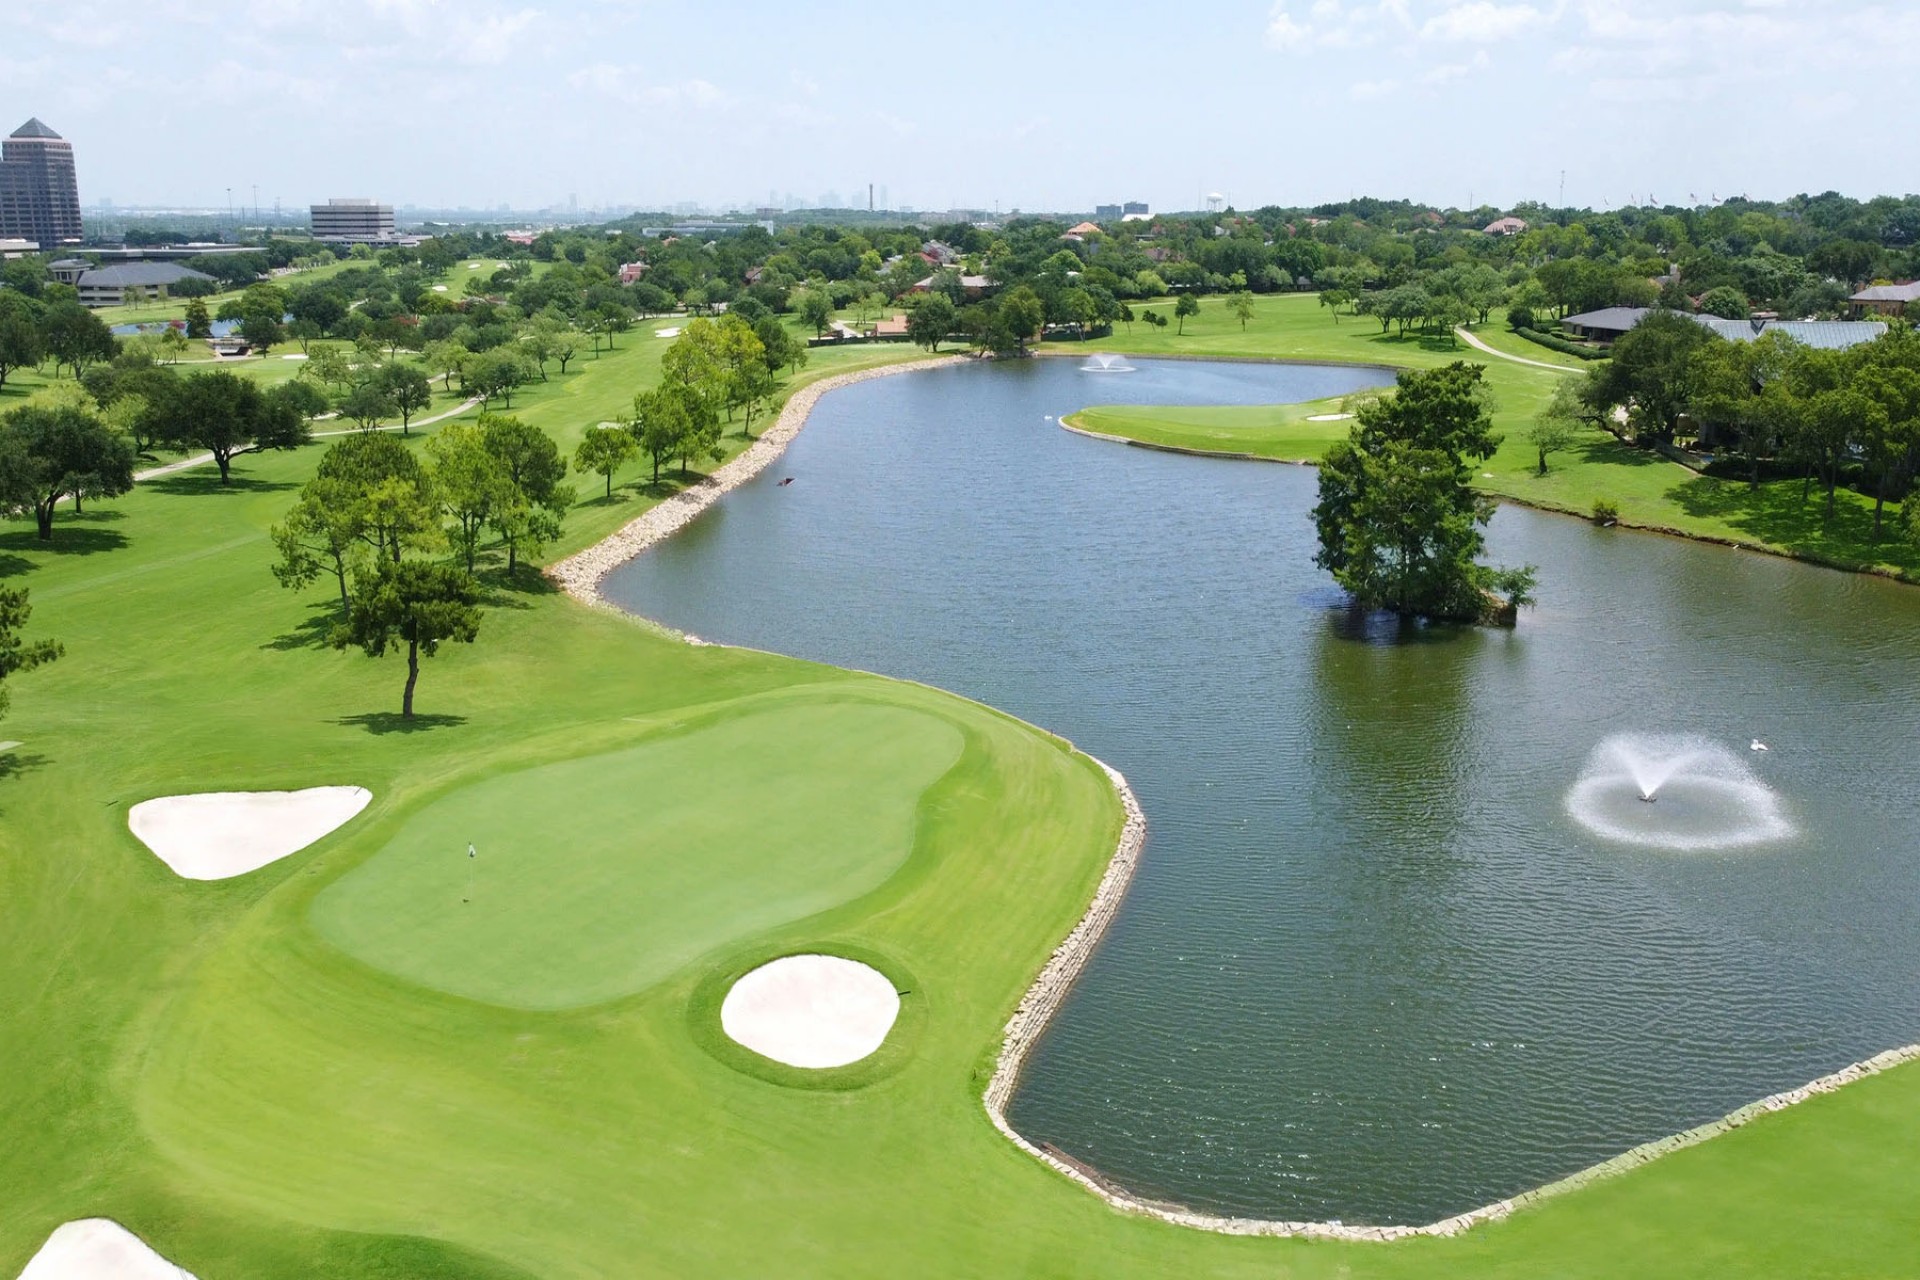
{"points": [[1106, 362], [1708, 796]]}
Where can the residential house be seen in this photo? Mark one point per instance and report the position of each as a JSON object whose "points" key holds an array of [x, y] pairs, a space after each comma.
{"points": [[1886, 299], [1506, 226]]}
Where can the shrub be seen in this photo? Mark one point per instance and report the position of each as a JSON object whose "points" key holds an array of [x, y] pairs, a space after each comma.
{"points": [[1554, 342], [1605, 512], [1520, 317]]}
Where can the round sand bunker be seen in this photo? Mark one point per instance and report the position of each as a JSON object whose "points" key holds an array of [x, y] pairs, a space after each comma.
{"points": [[811, 1011], [218, 834]]}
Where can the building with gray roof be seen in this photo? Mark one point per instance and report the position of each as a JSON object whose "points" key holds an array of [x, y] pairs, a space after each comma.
{"points": [[1887, 299], [1609, 323], [108, 286]]}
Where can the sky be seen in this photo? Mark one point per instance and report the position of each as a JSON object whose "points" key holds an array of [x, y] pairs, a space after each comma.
{"points": [[1003, 104]]}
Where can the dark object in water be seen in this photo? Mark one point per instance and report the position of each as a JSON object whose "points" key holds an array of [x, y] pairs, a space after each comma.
{"points": [[787, 481]]}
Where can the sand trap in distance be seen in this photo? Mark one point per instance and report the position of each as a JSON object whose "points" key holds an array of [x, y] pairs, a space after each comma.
{"points": [[811, 1010], [1327, 417], [670, 332], [218, 834], [98, 1249]]}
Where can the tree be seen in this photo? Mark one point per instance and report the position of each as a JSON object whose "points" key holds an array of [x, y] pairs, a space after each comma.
{"points": [[367, 404], [1726, 302], [1399, 526], [414, 603], [407, 390], [369, 499], [605, 450], [21, 343], [1650, 374], [1185, 305], [447, 358], [660, 420], [199, 324], [496, 374], [1018, 320], [467, 483], [17, 655], [50, 450], [1559, 421], [329, 366], [229, 416], [931, 320], [532, 499], [75, 337], [1242, 303], [816, 308]]}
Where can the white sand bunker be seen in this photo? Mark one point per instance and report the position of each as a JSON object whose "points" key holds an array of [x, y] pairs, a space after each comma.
{"points": [[295, 356], [98, 1249], [439, 288], [673, 332], [811, 1011], [1327, 417], [229, 833]]}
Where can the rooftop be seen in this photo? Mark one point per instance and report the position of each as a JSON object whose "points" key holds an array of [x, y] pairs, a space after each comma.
{"points": [[34, 128], [1908, 292], [139, 274]]}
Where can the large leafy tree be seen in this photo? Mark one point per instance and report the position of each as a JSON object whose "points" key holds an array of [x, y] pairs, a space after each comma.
{"points": [[532, 497], [605, 450], [415, 604], [467, 484], [369, 500], [17, 654], [229, 416], [48, 451], [1399, 526], [1651, 374], [931, 320], [21, 344], [75, 337]]}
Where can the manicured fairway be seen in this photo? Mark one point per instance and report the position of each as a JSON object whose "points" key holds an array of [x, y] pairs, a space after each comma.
{"points": [[197, 1061], [600, 876]]}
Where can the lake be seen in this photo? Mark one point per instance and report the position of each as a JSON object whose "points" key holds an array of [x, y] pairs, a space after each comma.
{"points": [[1371, 968]]}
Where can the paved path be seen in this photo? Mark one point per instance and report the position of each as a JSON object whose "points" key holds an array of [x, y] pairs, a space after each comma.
{"points": [[201, 460], [1478, 345]]}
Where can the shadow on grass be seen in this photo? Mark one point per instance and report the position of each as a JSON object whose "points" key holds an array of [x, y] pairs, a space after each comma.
{"points": [[70, 538], [1616, 453], [1774, 513], [16, 762], [310, 634], [385, 722], [203, 480]]}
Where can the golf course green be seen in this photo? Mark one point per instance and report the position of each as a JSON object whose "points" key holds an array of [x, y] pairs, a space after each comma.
{"points": [[603, 875], [320, 1068]]}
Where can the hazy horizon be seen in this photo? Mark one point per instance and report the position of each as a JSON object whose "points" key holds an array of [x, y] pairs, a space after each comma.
{"points": [[438, 104]]}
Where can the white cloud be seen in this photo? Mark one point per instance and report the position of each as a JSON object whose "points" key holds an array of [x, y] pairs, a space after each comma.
{"points": [[1284, 32], [1482, 22], [1447, 71], [629, 85], [1367, 90]]}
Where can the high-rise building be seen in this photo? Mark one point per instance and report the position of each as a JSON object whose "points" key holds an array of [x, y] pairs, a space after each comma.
{"points": [[353, 221], [39, 196]]}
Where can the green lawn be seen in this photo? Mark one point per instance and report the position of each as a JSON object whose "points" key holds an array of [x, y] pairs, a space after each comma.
{"points": [[1282, 431], [1649, 491], [603, 875], [201, 1062]]}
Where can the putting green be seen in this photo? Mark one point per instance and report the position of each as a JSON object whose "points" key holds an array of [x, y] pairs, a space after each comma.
{"points": [[595, 878]]}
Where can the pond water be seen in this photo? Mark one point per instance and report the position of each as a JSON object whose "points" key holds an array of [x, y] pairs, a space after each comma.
{"points": [[1373, 966]]}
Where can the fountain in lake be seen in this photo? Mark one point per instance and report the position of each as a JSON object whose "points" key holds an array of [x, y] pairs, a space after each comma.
{"points": [[1107, 363], [1675, 791]]}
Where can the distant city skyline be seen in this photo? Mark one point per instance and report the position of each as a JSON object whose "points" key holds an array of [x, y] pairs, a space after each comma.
{"points": [[602, 104]]}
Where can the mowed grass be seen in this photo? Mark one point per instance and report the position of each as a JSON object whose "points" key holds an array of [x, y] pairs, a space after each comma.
{"points": [[595, 878], [199, 1062], [1649, 491], [1283, 432]]}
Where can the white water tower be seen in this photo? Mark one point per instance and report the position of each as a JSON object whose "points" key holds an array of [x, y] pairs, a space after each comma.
{"points": [[1215, 202]]}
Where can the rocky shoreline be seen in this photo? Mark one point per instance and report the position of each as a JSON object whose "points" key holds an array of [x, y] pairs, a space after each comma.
{"points": [[580, 574]]}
